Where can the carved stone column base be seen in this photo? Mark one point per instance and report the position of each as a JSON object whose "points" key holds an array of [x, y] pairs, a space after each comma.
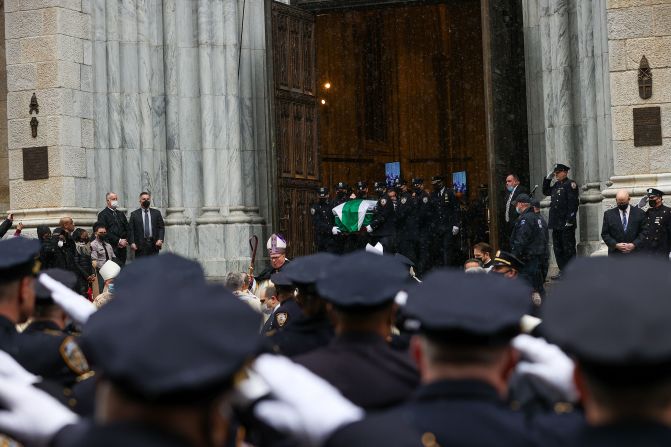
{"points": [[31, 218]]}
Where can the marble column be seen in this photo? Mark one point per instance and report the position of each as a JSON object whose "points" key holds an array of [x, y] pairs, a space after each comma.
{"points": [[49, 55]]}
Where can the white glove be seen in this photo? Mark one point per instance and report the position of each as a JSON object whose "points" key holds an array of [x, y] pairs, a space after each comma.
{"points": [[76, 306], [304, 405], [548, 363], [550, 175], [455, 231], [335, 231], [369, 228], [568, 224], [11, 370], [670, 256], [642, 202], [30, 415]]}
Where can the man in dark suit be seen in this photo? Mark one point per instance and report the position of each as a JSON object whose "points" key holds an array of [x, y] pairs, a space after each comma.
{"points": [[117, 227], [146, 228], [623, 226], [513, 189]]}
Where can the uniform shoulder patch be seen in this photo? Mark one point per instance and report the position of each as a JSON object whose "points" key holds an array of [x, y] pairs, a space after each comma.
{"points": [[312, 211], [73, 356], [523, 221], [403, 200], [281, 318], [383, 202], [425, 199], [574, 185]]}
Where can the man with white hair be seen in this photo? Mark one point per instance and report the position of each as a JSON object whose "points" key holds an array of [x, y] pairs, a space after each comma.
{"points": [[117, 227], [622, 229]]}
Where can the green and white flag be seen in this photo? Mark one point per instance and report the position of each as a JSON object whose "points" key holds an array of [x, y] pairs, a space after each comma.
{"points": [[354, 214]]}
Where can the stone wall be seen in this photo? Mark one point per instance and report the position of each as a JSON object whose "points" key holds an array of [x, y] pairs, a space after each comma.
{"points": [[4, 156], [637, 28]]}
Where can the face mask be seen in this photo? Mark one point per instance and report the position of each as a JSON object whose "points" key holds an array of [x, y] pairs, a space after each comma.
{"points": [[101, 236], [623, 206], [114, 204], [146, 203], [60, 244], [110, 288], [510, 188], [652, 203], [519, 210]]}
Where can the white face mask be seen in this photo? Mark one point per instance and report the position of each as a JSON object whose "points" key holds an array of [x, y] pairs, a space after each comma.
{"points": [[60, 244], [114, 204]]}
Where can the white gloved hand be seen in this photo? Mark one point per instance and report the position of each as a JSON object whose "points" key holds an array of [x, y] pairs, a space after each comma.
{"points": [[568, 225], [75, 305], [369, 228], [548, 363], [30, 415], [642, 202], [11, 370], [550, 175], [335, 231], [669, 256], [304, 405], [455, 231]]}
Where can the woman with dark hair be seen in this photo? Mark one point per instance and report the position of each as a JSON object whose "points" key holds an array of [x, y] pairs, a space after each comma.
{"points": [[83, 264], [48, 249]]}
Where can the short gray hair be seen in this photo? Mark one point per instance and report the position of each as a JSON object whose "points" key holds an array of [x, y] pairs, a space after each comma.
{"points": [[235, 280], [107, 196]]}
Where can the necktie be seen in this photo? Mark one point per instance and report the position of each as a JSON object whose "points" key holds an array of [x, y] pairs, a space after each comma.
{"points": [[147, 231], [107, 256], [624, 220], [510, 199]]}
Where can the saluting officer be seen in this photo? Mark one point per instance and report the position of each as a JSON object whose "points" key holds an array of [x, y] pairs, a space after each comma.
{"points": [[322, 220], [383, 226], [527, 242], [341, 196], [657, 233], [444, 216], [411, 209], [536, 205], [563, 211]]}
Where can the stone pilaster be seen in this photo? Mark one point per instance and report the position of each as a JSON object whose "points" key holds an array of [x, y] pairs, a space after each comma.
{"points": [[48, 52]]}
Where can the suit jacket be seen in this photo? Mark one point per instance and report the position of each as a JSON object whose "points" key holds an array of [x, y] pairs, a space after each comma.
{"points": [[512, 214], [137, 226], [116, 224], [613, 233]]}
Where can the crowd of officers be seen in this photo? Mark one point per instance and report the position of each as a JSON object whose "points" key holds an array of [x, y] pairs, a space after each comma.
{"points": [[373, 357]]}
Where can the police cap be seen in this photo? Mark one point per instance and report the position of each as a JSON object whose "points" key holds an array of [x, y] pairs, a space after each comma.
{"points": [[523, 198], [404, 260], [655, 192], [149, 271], [18, 258], [380, 185], [417, 181], [363, 280], [471, 309], [178, 342], [504, 258], [399, 182], [437, 179], [65, 277], [323, 191], [361, 185], [618, 329], [308, 269], [342, 185], [535, 203], [560, 167]]}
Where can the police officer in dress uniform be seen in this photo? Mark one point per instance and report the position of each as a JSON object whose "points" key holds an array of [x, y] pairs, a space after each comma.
{"points": [[657, 232], [383, 226], [341, 196], [359, 362], [528, 243], [289, 311], [563, 210], [506, 264], [466, 359], [312, 329], [536, 205], [46, 349], [409, 219], [445, 223], [322, 220], [619, 334]]}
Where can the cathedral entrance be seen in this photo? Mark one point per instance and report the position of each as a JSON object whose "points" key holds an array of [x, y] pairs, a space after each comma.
{"points": [[365, 89]]}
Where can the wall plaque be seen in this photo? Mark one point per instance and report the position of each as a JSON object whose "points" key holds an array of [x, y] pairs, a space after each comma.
{"points": [[35, 163], [647, 126]]}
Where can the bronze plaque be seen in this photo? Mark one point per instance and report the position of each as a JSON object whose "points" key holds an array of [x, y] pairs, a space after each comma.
{"points": [[647, 126], [35, 163]]}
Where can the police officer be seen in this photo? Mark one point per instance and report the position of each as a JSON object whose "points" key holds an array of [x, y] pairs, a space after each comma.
{"points": [[563, 211], [466, 361], [657, 226], [312, 329], [411, 214], [322, 220], [380, 189], [445, 222], [46, 349], [289, 310], [507, 265], [527, 242], [536, 205], [341, 196], [359, 362], [383, 227]]}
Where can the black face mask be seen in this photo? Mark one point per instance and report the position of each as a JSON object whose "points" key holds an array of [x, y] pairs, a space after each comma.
{"points": [[652, 203], [623, 206], [146, 203]]}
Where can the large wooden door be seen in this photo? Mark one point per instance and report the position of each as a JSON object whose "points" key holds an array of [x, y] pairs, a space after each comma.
{"points": [[295, 121]]}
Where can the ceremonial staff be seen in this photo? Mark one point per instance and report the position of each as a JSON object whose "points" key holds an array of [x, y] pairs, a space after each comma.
{"points": [[253, 244]]}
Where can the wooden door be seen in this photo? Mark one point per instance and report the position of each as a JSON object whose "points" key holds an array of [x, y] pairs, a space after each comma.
{"points": [[295, 121]]}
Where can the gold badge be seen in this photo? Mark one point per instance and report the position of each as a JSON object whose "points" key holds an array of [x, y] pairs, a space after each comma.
{"points": [[281, 318], [73, 356], [425, 200], [312, 211]]}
